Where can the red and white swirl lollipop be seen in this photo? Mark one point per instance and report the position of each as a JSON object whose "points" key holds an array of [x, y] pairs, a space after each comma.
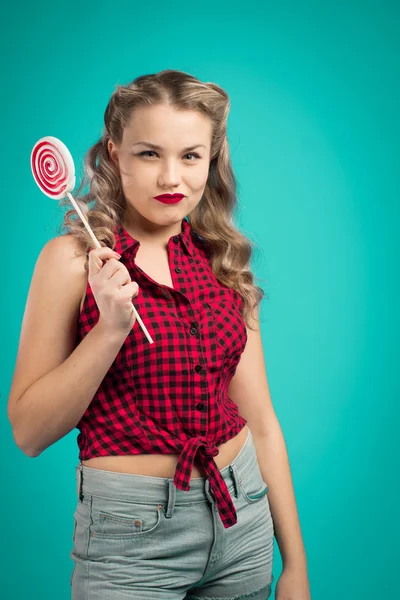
{"points": [[54, 171], [53, 167]]}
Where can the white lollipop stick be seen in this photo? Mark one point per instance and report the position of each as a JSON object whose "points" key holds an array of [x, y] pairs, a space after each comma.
{"points": [[54, 171]]}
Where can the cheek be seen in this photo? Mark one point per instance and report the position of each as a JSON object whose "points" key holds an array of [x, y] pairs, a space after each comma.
{"points": [[127, 181], [126, 172], [130, 177], [199, 179]]}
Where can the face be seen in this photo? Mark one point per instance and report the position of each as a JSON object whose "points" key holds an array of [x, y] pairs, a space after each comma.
{"points": [[147, 172]]}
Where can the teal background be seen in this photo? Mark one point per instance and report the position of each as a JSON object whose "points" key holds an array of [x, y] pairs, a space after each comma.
{"points": [[314, 137]]}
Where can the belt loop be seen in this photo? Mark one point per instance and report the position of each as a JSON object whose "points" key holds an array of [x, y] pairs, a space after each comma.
{"points": [[171, 499], [209, 492], [79, 482], [235, 476]]}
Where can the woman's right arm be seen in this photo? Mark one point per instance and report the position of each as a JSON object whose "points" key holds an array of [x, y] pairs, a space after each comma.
{"points": [[54, 381]]}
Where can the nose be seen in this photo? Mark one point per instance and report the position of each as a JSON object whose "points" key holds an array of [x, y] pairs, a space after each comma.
{"points": [[169, 175]]}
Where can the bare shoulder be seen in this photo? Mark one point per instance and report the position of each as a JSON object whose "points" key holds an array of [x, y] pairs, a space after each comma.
{"points": [[60, 257], [64, 248], [49, 323]]}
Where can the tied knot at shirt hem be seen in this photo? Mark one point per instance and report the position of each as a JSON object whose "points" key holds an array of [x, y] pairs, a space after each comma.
{"points": [[207, 450]]}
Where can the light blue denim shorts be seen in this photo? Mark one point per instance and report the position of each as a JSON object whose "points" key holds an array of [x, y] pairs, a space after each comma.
{"points": [[140, 537]]}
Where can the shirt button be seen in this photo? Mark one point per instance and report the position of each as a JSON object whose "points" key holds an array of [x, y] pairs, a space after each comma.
{"points": [[178, 270], [193, 330], [197, 368], [200, 406]]}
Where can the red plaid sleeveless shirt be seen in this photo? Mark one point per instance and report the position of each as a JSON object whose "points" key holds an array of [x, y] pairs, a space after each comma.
{"points": [[170, 396]]}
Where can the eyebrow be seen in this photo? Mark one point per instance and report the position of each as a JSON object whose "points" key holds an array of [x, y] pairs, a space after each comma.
{"points": [[160, 148]]}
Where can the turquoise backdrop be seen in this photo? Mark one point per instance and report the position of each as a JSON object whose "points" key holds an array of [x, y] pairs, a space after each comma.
{"points": [[314, 136]]}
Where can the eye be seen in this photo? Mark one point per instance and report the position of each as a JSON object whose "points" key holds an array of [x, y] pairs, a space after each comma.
{"points": [[146, 152]]}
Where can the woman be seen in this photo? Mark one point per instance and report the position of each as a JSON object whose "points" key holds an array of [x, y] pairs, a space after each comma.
{"points": [[171, 499]]}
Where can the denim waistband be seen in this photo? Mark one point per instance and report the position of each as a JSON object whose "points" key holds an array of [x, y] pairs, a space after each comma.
{"points": [[133, 488]]}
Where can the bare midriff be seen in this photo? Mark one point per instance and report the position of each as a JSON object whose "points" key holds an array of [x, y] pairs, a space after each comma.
{"points": [[164, 465]]}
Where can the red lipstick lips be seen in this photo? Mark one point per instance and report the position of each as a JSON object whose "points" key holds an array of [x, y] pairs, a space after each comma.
{"points": [[169, 198]]}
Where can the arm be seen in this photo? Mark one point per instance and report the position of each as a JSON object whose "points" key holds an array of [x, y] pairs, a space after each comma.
{"points": [[53, 383], [53, 405], [249, 390]]}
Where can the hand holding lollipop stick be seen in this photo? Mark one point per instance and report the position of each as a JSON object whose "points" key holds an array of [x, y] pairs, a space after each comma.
{"points": [[54, 171]]}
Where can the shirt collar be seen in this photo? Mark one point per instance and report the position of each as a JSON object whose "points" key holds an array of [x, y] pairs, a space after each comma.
{"points": [[124, 241]]}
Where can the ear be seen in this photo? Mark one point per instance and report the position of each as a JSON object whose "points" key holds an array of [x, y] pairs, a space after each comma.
{"points": [[112, 152]]}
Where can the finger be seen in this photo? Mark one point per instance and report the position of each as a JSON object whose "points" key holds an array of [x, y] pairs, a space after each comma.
{"points": [[98, 256], [115, 274]]}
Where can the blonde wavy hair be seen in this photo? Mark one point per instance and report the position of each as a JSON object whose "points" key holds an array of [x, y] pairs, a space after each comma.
{"points": [[228, 249]]}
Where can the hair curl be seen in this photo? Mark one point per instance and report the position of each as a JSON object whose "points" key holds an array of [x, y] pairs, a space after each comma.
{"points": [[228, 249]]}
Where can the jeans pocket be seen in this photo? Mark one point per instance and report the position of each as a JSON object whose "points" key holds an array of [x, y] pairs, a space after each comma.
{"points": [[253, 486], [118, 519]]}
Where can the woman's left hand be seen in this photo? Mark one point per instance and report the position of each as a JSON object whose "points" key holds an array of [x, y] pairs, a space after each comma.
{"points": [[293, 584]]}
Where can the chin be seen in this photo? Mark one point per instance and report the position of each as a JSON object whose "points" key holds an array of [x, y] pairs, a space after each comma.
{"points": [[169, 218]]}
